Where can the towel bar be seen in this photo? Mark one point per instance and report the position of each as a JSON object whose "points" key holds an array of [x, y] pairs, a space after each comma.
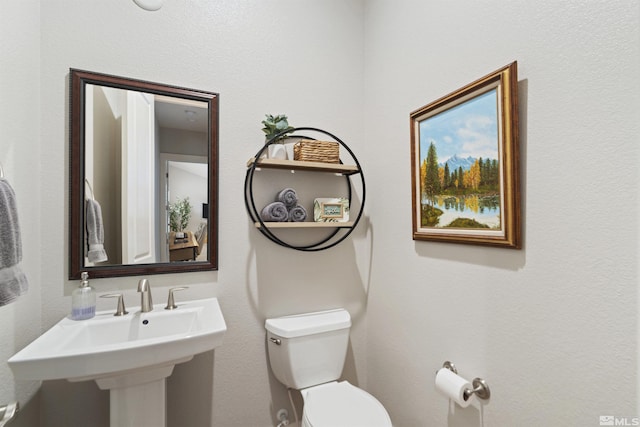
{"points": [[8, 412]]}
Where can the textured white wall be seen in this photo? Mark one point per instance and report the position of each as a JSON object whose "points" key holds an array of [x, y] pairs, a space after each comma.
{"points": [[303, 58], [553, 328], [19, 156]]}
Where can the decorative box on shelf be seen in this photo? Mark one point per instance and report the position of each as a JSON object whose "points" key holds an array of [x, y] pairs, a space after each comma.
{"points": [[317, 151]]}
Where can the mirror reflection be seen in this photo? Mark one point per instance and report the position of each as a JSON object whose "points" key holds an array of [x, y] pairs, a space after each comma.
{"points": [[143, 177]]}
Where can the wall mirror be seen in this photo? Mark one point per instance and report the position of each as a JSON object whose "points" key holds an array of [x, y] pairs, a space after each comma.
{"points": [[143, 177]]}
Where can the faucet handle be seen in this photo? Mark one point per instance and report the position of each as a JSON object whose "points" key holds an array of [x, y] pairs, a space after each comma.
{"points": [[120, 311], [171, 304]]}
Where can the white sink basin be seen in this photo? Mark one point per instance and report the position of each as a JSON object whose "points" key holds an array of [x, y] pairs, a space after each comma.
{"points": [[107, 346]]}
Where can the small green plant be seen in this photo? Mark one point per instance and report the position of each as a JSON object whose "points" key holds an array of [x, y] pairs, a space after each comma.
{"points": [[179, 214], [274, 125]]}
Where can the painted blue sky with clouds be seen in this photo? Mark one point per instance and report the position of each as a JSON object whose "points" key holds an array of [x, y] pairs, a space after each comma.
{"points": [[468, 129]]}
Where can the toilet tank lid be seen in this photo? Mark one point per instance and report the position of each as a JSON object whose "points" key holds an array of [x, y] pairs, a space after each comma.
{"points": [[309, 323]]}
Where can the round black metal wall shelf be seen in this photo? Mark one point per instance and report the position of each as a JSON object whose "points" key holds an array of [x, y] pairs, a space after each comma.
{"points": [[338, 231]]}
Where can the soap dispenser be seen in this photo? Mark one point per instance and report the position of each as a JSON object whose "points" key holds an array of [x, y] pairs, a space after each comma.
{"points": [[83, 300]]}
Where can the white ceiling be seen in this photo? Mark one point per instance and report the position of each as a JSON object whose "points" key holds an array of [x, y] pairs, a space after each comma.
{"points": [[180, 113], [199, 169]]}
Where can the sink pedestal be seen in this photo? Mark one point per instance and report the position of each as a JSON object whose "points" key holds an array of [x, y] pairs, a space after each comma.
{"points": [[141, 405], [138, 405], [138, 398]]}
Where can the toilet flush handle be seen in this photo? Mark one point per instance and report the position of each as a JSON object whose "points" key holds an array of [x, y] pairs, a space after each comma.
{"points": [[276, 341]]}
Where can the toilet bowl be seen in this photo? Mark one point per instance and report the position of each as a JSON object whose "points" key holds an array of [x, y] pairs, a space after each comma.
{"points": [[307, 353], [340, 404]]}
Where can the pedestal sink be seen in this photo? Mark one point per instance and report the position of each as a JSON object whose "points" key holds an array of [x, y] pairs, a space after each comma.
{"points": [[130, 355]]}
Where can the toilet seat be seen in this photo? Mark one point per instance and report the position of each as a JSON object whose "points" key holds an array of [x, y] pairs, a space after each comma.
{"points": [[340, 404]]}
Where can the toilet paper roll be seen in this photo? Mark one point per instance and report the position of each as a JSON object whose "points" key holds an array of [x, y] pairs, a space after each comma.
{"points": [[453, 386]]}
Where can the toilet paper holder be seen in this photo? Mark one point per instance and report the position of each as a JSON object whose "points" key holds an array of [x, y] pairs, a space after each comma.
{"points": [[480, 386]]}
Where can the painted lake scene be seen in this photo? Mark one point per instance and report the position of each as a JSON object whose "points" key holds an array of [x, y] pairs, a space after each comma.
{"points": [[460, 167]]}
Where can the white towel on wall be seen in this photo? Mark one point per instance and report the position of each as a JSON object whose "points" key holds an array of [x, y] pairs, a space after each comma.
{"points": [[13, 281]]}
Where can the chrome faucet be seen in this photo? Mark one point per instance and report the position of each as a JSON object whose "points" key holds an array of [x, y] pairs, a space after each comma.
{"points": [[146, 303]]}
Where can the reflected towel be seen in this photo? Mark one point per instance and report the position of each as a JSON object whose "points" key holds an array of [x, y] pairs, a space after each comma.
{"points": [[288, 196], [275, 211], [297, 214], [95, 232], [13, 281]]}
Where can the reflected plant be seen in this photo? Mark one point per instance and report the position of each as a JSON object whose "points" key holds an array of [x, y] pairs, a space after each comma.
{"points": [[179, 214]]}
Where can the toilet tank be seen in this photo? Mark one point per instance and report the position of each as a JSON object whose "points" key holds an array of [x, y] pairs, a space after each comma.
{"points": [[308, 349]]}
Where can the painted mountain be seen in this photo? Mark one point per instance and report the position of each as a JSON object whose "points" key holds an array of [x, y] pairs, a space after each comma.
{"points": [[456, 162]]}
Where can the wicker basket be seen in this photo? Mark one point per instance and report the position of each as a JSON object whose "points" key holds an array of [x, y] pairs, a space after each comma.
{"points": [[316, 151]]}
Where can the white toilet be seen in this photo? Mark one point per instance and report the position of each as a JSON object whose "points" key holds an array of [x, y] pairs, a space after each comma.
{"points": [[307, 353]]}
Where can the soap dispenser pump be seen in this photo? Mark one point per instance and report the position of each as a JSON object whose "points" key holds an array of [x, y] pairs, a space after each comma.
{"points": [[83, 300]]}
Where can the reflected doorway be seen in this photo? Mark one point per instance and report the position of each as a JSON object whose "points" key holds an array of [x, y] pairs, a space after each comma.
{"points": [[185, 179]]}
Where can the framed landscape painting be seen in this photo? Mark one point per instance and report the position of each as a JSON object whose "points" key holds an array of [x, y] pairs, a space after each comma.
{"points": [[465, 164]]}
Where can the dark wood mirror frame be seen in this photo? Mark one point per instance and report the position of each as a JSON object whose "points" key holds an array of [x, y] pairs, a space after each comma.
{"points": [[78, 81]]}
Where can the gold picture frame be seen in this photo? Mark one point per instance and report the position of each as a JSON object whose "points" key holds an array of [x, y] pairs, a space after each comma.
{"points": [[465, 164]]}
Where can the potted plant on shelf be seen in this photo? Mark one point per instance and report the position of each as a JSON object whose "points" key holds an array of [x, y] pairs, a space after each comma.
{"points": [[179, 216], [274, 125]]}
